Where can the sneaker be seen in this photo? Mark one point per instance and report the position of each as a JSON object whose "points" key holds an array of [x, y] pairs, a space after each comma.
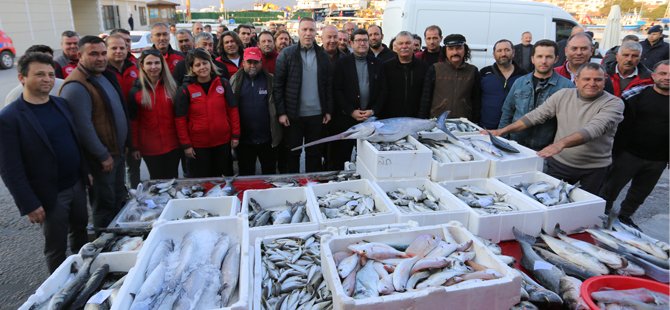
{"points": [[626, 220]]}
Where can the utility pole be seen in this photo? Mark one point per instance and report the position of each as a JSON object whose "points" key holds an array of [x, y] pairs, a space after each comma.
{"points": [[188, 10]]}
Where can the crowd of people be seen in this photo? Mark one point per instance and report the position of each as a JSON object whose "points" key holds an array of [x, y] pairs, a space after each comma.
{"points": [[89, 117]]}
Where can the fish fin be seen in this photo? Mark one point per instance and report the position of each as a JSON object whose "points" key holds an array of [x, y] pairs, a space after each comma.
{"points": [[558, 230], [441, 121], [522, 237]]}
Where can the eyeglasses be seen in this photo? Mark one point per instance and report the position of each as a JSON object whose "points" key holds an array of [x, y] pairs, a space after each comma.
{"points": [[359, 41], [151, 51]]}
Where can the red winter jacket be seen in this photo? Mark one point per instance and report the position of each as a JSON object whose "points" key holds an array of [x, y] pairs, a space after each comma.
{"points": [[270, 61], [172, 57], [643, 77], [231, 66], [127, 76], [206, 119], [153, 130]]}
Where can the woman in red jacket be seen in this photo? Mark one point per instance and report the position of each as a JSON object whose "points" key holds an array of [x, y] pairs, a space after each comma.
{"points": [[208, 123], [154, 134]]}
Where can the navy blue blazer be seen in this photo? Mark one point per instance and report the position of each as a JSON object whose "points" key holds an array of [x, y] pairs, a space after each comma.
{"points": [[27, 160]]}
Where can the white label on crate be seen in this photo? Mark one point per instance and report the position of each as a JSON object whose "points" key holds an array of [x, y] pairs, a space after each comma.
{"points": [[383, 161], [99, 297], [581, 245], [150, 204], [539, 265]]}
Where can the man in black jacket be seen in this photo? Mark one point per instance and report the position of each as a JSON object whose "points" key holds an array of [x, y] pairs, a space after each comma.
{"points": [[41, 162], [522, 52], [377, 49], [303, 95], [356, 90], [654, 49], [402, 80]]}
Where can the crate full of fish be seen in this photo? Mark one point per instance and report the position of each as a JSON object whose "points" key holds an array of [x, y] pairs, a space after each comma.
{"points": [[351, 203], [115, 243], [565, 204], [83, 278], [404, 158], [196, 264], [279, 211], [288, 272], [197, 208], [462, 126], [455, 160], [506, 156], [429, 267], [495, 208], [423, 201]]}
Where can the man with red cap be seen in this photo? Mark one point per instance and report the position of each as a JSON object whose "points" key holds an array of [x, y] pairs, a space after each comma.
{"points": [[260, 129]]}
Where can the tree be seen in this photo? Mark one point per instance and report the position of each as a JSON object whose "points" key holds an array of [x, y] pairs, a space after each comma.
{"points": [[626, 6], [658, 12]]}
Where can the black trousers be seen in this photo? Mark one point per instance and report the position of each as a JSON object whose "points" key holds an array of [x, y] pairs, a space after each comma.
{"points": [[642, 173], [133, 171], [108, 193], [211, 162], [164, 166], [590, 179], [304, 130], [67, 220], [247, 154], [339, 152]]}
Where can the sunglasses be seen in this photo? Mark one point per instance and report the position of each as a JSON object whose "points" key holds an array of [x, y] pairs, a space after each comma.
{"points": [[151, 51]]}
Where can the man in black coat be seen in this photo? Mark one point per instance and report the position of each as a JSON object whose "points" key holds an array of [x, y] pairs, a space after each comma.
{"points": [[303, 94], [356, 88], [41, 162], [654, 49]]}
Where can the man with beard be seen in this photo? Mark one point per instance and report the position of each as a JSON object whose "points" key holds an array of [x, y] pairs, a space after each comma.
{"points": [[184, 41], [433, 51], [230, 50], [378, 50], [282, 40], [587, 118], [266, 44], [531, 91], [497, 80], [628, 72], [67, 62], [329, 43], [96, 103], [343, 43], [522, 52], [160, 37], [453, 85], [260, 131], [204, 40], [197, 28], [641, 152], [403, 80]]}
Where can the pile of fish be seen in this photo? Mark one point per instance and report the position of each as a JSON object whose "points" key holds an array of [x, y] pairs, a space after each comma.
{"points": [[346, 203], [200, 271], [82, 283], [126, 243], [639, 298], [290, 213], [496, 147], [400, 145], [320, 177], [372, 269], [447, 152], [413, 199], [147, 206], [546, 193], [291, 274], [482, 201], [198, 214], [633, 244], [457, 125]]}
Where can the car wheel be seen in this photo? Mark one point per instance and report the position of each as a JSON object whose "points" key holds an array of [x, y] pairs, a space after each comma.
{"points": [[6, 60]]}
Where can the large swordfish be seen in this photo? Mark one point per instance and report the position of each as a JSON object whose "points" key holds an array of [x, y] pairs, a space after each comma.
{"points": [[385, 130]]}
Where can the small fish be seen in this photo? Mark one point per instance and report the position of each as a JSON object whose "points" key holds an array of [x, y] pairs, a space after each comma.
{"points": [[499, 143], [545, 273], [570, 288]]}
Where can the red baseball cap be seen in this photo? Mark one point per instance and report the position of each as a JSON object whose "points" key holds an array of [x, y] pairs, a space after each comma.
{"points": [[252, 53]]}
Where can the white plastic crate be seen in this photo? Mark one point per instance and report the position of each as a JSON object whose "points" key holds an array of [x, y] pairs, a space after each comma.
{"points": [[117, 261], [495, 294], [584, 212], [387, 213], [498, 227], [235, 227], [449, 210], [223, 206], [477, 168], [524, 161], [465, 120], [394, 164], [272, 198], [363, 170]]}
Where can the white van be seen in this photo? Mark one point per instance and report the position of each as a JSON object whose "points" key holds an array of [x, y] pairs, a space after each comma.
{"points": [[482, 22]]}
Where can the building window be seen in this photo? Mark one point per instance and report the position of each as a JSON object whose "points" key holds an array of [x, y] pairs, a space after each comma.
{"points": [[110, 16], [143, 16], [153, 13]]}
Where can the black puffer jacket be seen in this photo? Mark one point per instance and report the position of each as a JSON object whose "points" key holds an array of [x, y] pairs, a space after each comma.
{"points": [[288, 80]]}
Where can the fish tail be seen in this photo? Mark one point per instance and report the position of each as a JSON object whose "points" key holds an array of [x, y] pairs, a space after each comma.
{"points": [[441, 121]]}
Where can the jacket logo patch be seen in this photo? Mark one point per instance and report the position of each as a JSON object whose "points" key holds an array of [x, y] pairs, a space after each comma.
{"points": [[262, 91], [68, 70], [219, 89], [133, 74], [174, 63], [196, 95]]}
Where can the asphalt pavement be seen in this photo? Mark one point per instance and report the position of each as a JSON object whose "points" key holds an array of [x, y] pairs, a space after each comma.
{"points": [[23, 269]]}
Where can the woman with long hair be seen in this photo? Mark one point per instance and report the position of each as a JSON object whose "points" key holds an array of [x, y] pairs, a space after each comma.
{"points": [[153, 130], [206, 116]]}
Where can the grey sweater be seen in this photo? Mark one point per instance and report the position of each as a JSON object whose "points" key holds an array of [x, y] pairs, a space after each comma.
{"points": [[596, 120]]}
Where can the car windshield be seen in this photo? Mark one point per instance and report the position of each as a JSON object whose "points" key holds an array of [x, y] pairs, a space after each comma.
{"points": [[135, 38]]}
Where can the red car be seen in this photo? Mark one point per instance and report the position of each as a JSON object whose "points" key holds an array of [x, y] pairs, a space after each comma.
{"points": [[7, 51]]}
